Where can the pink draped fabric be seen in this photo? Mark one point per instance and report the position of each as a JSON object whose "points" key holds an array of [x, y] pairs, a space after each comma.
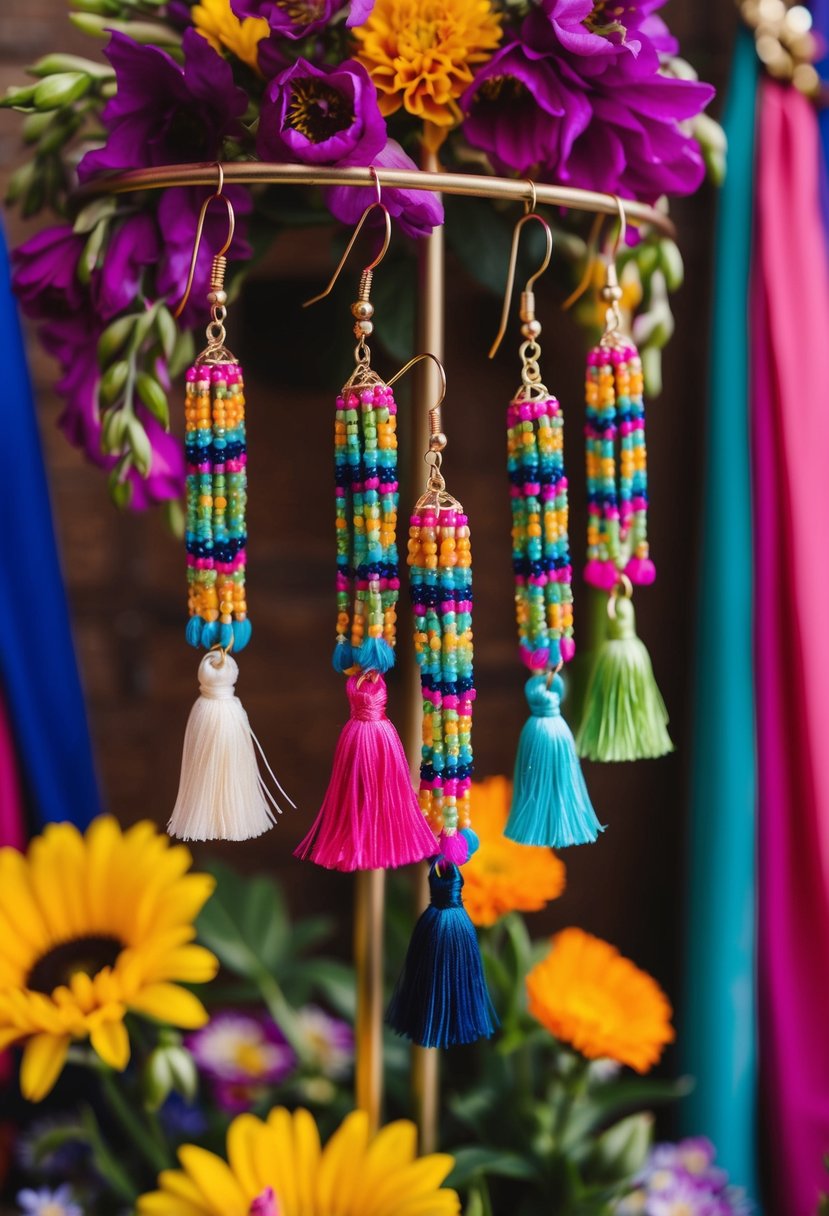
{"points": [[790, 407], [12, 818]]}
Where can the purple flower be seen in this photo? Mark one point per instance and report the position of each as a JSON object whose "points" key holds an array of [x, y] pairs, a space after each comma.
{"points": [[163, 113], [133, 247], [329, 1041], [45, 272], [289, 19], [634, 145], [682, 1180], [45, 1202], [321, 116], [525, 109], [415, 212], [241, 1054], [597, 33]]}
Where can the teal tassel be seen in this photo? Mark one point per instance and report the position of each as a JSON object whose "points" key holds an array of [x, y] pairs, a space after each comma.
{"points": [[441, 998], [375, 654], [624, 715], [550, 802]]}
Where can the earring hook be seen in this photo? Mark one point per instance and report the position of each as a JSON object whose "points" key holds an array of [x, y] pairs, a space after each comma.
{"points": [[383, 248], [231, 228], [513, 259], [441, 372], [592, 247]]}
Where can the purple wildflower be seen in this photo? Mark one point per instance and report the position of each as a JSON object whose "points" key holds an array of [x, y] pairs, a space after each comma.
{"points": [[241, 1054], [525, 109], [415, 212], [163, 113], [328, 1040], [295, 20], [45, 1202], [46, 272], [321, 116]]}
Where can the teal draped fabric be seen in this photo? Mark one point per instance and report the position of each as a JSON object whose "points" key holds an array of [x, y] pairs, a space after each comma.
{"points": [[717, 1028]]}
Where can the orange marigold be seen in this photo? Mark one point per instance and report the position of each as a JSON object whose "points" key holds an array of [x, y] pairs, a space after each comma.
{"points": [[504, 876], [587, 994], [421, 53]]}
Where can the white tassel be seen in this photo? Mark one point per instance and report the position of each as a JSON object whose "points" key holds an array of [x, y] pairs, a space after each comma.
{"points": [[221, 795]]}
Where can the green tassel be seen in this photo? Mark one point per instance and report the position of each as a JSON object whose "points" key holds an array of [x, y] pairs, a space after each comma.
{"points": [[624, 716]]}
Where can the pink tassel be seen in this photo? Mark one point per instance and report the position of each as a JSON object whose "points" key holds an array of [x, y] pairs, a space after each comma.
{"points": [[370, 818]]}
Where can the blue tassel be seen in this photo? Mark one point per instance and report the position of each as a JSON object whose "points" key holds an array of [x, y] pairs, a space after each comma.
{"points": [[242, 631], [375, 654], [194, 630], [343, 656], [441, 998], [550, 802]]}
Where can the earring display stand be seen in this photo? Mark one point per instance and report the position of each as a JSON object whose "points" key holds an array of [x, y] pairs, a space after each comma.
{"points": [[370, 885]]}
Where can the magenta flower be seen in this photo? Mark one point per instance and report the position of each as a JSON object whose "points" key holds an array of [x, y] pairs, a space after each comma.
{"points": [[289, 19], [265, 1204], [415, 212], [241, 1054], [321, 116], [599, 34], [525, 109], [46, 272], [163, 113]]}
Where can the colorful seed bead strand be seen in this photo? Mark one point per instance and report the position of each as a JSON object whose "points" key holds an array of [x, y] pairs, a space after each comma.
{"points": [[216, 501], [617, 499], [366, 507], [440, 579], [540, 539]]}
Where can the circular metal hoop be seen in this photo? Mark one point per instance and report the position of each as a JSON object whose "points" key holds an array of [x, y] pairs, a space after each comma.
{"points": [[251, 173]]}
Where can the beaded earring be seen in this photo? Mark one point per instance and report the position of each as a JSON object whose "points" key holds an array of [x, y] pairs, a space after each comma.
{"points": [[624, 716], [550, 803], [222, 795], [369, 817], [441, 998]]}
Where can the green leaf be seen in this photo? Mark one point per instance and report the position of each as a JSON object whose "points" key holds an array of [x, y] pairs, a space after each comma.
{"points": [[607, 1101], [141, 31], [336, 984], [671, 264], [91, 252], [114, 337], [244, 923], [18, 95], [61, 90], [20, 181], [140, 446], [113, 381], [34, 125], [113, 431], [54, 1138], [183, 353], [120, 488], [106, 8], [471, 1163], [153, 397], [620, 1152]]}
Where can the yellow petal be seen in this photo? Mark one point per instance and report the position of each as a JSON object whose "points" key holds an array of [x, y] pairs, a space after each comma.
{"points": [[101, 842], [169, 1003], [43, 1058], [441, 1203], [112, 1044], [9, 1035], [341, 1165], [283, 1161], [18, 902], [189, 964], [159, 1203], [307, 1158], [242, 1138], [409, 1185], [393, 1148], [181, 1186], [215, 1181]]}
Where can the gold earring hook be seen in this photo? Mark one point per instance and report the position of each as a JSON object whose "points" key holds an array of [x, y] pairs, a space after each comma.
{"points": [[441, 372], [231, 228], [513, 259], [592, 250], [372, 265]]}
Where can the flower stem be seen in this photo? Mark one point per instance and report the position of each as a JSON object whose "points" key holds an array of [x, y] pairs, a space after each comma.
{"points": [[155, 1153]]}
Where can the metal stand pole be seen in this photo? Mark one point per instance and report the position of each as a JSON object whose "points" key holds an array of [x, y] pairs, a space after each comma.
{"points": [[369, 899], [430, 332]]}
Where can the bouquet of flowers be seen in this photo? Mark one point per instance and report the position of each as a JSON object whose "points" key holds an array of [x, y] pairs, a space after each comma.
{"points": [[185, 1050], [592, 94]]}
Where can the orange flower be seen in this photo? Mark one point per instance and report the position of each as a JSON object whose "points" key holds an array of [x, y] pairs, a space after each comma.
{"points": [[585, 993], [504, 876], [421, 53]]}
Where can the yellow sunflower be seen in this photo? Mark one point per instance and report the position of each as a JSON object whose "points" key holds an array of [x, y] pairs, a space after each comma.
{"points": [[216, 21], [91, 927], [421, 54], [587, 994], [504, 876], [355, 1174]]}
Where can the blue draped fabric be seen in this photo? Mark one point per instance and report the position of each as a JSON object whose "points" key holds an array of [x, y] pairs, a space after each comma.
{"points": [[717, 1032], [38, 671]]}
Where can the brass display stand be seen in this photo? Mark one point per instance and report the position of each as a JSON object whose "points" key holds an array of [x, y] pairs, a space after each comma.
{"points": [[370, 885]]}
